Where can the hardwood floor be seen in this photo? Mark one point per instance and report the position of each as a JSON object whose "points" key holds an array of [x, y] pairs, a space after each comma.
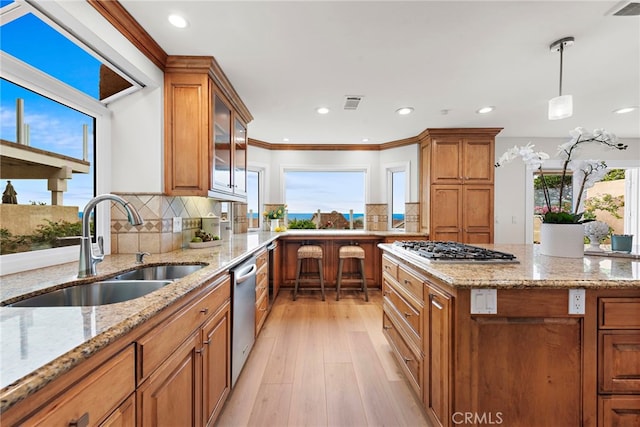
{"points": [[321, 363]]}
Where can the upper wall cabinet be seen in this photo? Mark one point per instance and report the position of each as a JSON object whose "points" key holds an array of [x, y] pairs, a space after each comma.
{"points": [[205, 131]]}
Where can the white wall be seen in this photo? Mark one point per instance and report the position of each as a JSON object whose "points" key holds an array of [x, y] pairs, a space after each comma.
{"points": [[510, 179], [136, 142]]}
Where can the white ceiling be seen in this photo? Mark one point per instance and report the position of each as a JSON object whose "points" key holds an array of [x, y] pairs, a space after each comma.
{"points": [[287, 58]]}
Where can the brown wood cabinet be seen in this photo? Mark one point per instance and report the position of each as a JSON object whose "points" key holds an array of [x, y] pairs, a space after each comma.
{"points": [[456, 195], [331, 246], [205, 131], [99, 397], [262, 289], [619, 361], [529, 364], [184, 363]]}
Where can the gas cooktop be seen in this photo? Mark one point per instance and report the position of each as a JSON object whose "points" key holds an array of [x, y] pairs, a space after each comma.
{"points": [[455, 252]]}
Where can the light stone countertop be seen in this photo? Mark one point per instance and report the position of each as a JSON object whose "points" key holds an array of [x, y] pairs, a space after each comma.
{"points": [[534, 270], [40, 344]]}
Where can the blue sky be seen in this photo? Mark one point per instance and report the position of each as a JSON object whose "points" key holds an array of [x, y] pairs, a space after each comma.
{"points": [[52, 126]]}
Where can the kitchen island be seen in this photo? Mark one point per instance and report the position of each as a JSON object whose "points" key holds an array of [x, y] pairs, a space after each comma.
{"points": [[489, 343]]}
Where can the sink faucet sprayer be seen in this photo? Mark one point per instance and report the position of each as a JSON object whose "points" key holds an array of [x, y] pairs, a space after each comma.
{"points": [[88, 260]]}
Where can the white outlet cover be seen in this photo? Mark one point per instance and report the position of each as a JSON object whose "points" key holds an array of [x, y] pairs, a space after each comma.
{"points": [[177, 224], [484, 301], [577, 299]]}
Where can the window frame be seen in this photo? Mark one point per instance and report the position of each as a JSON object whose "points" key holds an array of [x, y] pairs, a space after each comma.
{"points": [[260, 171], [390, 169], [328, 168]]}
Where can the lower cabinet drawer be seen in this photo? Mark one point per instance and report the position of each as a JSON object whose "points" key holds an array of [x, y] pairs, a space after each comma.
{"points": [[619, 411], [412, 315], [620, 362], [261, 312], [410, 281], [93, 398], [410, 363]]}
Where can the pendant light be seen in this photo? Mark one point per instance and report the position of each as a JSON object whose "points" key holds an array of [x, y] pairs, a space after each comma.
{"points": [[561, 106]]}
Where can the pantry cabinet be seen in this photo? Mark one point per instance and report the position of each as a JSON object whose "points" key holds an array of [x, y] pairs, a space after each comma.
{"points": [[205, 131], [457, 179]]}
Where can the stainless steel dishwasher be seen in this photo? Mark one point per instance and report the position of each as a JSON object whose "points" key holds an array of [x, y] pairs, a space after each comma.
{"points": [[243, 314]]}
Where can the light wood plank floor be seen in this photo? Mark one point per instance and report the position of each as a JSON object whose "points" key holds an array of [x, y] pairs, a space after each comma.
{"points": [[321, 363]]}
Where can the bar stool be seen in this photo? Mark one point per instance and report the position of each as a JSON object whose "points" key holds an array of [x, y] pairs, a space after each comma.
{"points": [[308, 252], [351, 252]]}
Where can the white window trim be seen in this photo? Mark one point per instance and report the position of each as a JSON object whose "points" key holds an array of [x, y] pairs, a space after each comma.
{"points": [[557, 165], [24, 75], [390, 169], [260, 170]]}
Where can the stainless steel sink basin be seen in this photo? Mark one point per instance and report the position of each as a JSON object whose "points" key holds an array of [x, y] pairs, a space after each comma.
{"points": [[159, 272], [97, 293]]}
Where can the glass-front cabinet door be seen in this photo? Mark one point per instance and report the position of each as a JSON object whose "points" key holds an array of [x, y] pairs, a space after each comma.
{"points": [[240, 158], [222, 168]]}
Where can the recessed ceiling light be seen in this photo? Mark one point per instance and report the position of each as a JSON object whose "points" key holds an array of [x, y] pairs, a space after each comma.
{"points": [[178, 21], [625, 110], [404, 111], [365, 139], [322, 110], [285, 139], [485, 110]]}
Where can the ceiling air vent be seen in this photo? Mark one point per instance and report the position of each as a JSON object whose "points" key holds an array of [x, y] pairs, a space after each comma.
{"points": [[352, 102], [627, 8]]}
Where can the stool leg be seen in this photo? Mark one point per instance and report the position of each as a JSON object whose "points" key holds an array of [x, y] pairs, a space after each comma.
{"points": [[321, 277], [339, 279], [295, 289], [364, 281]]}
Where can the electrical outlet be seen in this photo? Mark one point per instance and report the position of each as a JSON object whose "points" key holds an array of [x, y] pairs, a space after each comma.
{"points": [[177, 224], [484, 301], [576, 301]]}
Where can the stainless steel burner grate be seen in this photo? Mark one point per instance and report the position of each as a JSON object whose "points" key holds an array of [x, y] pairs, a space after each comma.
{"points": [[444, 251]]}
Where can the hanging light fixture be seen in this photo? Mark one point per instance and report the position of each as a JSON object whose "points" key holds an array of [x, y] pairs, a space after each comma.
{"points": [[561, 106]]}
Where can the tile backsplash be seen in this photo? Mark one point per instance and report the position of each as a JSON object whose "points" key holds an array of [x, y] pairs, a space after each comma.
{"points": [[156, 234]]}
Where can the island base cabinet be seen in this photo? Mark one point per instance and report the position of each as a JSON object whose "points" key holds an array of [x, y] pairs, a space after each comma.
{"points": [[619, 411], [171, 395]]}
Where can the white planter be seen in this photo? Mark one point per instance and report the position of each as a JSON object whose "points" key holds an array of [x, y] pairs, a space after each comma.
{"points": [[562, 240], [275, 223]]}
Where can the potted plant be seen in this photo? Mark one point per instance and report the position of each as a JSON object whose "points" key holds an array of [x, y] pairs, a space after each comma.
{"points": [[562, 231], [274, 216]]}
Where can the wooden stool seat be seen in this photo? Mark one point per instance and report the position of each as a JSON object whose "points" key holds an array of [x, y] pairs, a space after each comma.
{"points": [[347, 252], [309, 252]]}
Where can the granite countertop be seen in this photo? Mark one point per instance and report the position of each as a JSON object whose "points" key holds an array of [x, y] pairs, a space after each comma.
{"points": [[40, 344], [534, 270]]}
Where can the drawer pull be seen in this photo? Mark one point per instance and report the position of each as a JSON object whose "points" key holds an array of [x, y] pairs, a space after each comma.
{"points": [[83, 421], [200, 350], [386, 327], [407, 314], [207, 342], [406, 359], [407, 281], [204, 311], [385, 293], [263, 309]]}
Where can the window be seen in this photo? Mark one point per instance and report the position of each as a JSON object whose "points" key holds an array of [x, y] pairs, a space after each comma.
{"points": [[397, 200], [338, 196], [253, 199], [56, 88]]}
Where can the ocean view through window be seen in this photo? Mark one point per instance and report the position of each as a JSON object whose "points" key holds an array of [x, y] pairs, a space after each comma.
{"points": [[338, 196]]}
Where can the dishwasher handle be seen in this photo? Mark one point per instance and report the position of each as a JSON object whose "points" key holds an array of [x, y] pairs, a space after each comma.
{"points": [[246, 273]]}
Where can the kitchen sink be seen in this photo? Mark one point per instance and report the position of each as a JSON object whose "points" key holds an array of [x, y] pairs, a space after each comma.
{"points": [[97, 293], [160, 272]]}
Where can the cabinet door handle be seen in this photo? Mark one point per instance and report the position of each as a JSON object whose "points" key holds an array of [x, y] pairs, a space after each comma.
{"points": [[200, 350], [207, 342], [204, 311], [83, 421], [436, 303]]}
